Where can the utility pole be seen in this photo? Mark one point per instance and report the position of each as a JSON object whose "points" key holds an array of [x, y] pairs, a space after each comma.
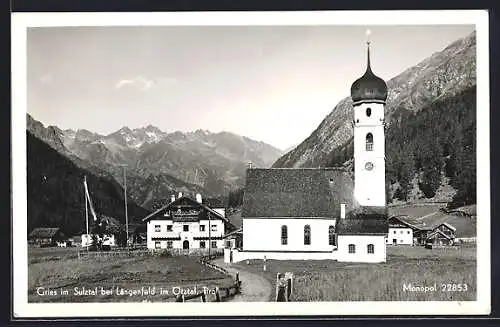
{"points": [[86, 214], [125, 196], [209, 238]]}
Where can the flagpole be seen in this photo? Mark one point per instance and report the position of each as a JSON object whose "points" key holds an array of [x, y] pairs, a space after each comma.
{"points": [[209, 236], [86, 212]]}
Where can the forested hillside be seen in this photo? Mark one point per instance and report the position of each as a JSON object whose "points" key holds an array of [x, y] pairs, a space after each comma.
{"points": [[430, 134], [438, 141], [55, 193]]}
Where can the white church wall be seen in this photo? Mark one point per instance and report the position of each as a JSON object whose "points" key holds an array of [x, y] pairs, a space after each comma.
{"points": [[264, 234], [361, 247], [239, 256], [402, 236]]}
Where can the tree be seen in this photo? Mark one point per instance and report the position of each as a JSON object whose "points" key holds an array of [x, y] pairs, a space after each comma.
{"points": [[465, 181], [235, 198], [406, 174], [431, 163]]}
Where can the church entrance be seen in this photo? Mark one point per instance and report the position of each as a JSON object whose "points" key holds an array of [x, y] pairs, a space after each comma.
{"points": [[394, 241], [185, 245]]}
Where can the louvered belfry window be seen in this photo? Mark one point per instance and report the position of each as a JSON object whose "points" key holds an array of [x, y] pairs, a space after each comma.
{"points": [[331, 235], [307, 235], [284, 235]]}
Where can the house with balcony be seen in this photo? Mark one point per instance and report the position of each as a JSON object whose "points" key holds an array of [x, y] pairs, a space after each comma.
{"points": [[187, 226]]}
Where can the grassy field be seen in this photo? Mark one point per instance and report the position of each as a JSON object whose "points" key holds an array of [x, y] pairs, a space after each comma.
{"points": [[52, 271], [333, 281]]}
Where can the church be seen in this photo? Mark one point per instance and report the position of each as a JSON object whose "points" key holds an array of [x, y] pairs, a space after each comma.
{"points": [[321, 213]]}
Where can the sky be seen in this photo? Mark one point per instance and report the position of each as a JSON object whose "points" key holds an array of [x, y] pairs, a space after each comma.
{"points": [[271, 83]]}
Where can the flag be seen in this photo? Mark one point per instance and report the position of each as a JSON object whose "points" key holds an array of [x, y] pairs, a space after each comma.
{"points": [[88, 198]]}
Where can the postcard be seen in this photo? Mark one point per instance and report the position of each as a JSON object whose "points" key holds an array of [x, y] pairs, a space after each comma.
{"points": [[170, 164]]}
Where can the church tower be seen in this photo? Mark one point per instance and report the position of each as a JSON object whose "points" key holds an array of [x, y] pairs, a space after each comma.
{"points": [[369, 94]]}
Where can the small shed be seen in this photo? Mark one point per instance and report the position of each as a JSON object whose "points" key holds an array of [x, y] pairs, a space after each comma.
{"points": [[234, 239], [46, 236]]}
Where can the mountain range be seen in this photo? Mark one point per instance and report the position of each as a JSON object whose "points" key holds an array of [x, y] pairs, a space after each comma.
{"points": [[430, 147], [443, 74], [159, 163], [444, 81]]}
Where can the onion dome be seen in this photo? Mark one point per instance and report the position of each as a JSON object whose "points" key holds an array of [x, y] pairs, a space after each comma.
{"points": [[369, 87]]}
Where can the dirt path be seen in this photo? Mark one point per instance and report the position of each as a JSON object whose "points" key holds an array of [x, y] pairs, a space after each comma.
{"points": [[254, 288]]}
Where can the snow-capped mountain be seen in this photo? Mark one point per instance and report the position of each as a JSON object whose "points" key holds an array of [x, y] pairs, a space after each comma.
{"points": [[209, 162]]}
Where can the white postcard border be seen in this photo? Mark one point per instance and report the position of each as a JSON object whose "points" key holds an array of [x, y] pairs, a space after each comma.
{"points": [[21, 21]]}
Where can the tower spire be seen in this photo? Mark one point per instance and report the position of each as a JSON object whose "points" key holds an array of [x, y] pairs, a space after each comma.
{"points": [[368, 67]]}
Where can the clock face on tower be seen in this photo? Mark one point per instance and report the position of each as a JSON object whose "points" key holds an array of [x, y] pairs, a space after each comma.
{"points": [[368, 166]]}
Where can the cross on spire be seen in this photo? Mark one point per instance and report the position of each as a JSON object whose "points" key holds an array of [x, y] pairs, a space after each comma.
{"points": [[368, 32]]}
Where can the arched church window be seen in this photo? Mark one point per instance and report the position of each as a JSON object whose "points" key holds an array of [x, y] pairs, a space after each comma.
{"points": [[369, 142], [370, 248], [352, 248], [368, 112], [307, 235], [331, 235], [284, 235]]}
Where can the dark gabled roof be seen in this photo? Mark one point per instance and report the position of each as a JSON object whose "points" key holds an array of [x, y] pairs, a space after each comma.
{"points": [[418, 225], [290, 192], [191, 202], [44, 232], [447, 225], [405, 221], [364, 220], [360, 226], [368, 212], [437, 231]]}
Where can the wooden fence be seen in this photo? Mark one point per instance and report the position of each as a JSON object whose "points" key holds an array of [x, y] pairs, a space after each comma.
{"points": [[219, 293], [461, 240], [112, 253], [141, 251]]}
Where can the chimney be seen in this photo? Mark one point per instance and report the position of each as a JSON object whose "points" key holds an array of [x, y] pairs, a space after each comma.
{"points": [[342, 211], [249, 165], [172, 198], [179, 195], [198, 197]]}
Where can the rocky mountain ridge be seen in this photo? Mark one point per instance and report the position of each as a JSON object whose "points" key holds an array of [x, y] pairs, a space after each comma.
{"points": [[199, 161], [443, 74]]}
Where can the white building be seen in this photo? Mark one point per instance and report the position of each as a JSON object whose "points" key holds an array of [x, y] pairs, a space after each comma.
{"points": [[186, 224], [400, 232], [301, 214]]}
